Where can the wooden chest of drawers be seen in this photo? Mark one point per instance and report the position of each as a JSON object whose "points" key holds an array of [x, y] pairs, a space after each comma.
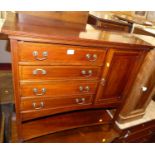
{"points": [[54, 78], [63, 81]]}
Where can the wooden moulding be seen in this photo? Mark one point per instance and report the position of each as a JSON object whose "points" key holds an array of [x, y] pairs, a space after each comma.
{"points": [[62, 122], [122, 119]]}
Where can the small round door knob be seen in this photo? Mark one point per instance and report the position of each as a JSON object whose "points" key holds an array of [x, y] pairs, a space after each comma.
{"points": [[144, 89]]}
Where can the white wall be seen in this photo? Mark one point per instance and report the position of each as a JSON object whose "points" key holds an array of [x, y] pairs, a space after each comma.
{"points": [[5, 56]]}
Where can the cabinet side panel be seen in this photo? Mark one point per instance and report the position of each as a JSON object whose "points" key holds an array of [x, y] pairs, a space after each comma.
{"points": [[16, 85]]}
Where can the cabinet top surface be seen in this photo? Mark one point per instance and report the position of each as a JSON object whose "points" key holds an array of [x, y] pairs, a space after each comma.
{"points": [[64, 31]]}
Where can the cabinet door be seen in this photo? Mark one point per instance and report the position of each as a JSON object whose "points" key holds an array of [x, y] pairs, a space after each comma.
{"points": [[119, 71]]}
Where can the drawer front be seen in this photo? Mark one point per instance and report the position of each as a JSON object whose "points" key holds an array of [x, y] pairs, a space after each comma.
{"points": [[60, 54], [61, 102], [57, 88], [58, 72]]}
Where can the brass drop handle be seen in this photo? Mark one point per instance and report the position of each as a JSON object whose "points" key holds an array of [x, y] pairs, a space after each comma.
{"points": [[80, 100], [43, 91], [91, 57], [87, 73], [37, 71], [44, 54], [38, 108], [84, 89]]}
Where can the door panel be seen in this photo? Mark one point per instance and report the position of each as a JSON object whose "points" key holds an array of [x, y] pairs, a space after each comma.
{"points": [[118, 73]]}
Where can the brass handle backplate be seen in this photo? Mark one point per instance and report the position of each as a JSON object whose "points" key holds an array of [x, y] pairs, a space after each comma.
{"points": [[91, 57], [37, 71], [43, 91], [38, 108], [44, 54], [84, 89], [80, 100], [87, 73]]}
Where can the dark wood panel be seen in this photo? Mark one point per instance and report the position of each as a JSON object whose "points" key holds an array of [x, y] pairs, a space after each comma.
{"points": [[120, 69]]}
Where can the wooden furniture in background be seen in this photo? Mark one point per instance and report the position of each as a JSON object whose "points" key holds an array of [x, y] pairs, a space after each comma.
{"points": [[143, 133], [63, 79], [142, 31], [108, 25]]}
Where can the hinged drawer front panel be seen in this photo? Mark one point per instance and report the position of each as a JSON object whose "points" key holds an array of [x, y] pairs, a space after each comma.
{"points": [[42, 104], [58, 72], [57, 88], [60, 54]]}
